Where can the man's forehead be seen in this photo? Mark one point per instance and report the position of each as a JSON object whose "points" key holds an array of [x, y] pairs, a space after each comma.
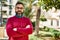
{"points": [[19, 5]]}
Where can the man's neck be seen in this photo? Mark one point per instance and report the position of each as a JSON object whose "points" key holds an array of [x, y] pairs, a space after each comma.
{"points": [[19, 15]]}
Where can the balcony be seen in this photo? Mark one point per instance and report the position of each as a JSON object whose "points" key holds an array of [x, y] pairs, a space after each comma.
{"points": [[5, 8]]}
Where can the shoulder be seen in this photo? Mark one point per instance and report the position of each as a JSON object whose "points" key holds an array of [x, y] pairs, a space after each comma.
{"points": [[10, 18], [26, 18]]}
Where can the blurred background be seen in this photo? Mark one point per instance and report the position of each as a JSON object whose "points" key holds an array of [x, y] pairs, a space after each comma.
{"points": [[44, 14]]}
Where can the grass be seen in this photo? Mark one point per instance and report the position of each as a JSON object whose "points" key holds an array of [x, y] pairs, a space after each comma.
{"points": [[32, 37]]}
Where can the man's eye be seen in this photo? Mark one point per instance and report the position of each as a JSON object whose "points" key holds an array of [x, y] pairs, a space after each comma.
{"points": [[19, 8]]}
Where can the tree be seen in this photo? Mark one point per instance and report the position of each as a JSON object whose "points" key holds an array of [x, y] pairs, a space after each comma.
{"points": [[38, 13], [37, 21], [51, 3], [46, 4]]}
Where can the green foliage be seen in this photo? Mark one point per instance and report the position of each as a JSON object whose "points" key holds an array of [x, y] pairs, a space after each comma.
{"points": [[32, 37], [54, 33], [33, 24], [48, 4], [27, 12], [51, 3], [49, 29], [42, 18]]}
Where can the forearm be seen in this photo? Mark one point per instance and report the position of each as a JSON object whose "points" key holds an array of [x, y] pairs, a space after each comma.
{"points": [[25, 31], [12, 33]]}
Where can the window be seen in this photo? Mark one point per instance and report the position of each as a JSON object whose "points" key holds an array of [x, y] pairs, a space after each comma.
{"points": [[10, 7], [57, 23], [4, 20], [4, 4], [51, 22], [10, 1], [10, 12], [4, 12]]}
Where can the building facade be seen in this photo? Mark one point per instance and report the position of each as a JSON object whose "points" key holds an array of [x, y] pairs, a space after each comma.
{"points": [[6, 9]]}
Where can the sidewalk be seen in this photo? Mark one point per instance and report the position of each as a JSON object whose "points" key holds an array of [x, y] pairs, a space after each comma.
{"points": [[3, 35]]}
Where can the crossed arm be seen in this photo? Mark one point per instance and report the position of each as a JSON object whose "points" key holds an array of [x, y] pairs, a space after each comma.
{"points": [[20, 31]]}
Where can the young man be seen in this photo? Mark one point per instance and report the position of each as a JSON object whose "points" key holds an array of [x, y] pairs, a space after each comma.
{"points": [[19, 27]]}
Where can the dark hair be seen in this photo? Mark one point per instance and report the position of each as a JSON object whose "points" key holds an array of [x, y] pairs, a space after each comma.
{"points": [[19, 3]]}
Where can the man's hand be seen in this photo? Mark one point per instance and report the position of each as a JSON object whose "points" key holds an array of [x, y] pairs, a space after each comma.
{"points": [[28, 26], [14, 29]]}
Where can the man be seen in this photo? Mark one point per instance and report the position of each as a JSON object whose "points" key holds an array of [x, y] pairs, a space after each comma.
{"points": [[19, 27]]}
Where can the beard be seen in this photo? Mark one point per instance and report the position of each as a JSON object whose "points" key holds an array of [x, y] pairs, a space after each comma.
{"points": [[19, 12]]}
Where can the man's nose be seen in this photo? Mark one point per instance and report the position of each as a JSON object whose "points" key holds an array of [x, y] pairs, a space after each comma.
{"points": [[19, 9]]}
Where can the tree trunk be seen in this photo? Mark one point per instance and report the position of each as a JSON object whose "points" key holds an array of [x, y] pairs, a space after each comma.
{"points": [[37, 21]]}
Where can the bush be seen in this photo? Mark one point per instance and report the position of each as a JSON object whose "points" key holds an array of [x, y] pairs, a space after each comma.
{"points": [[33, 23]]}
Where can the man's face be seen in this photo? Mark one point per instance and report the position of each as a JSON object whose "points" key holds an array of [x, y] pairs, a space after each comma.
{"points": [[19, 8]]}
